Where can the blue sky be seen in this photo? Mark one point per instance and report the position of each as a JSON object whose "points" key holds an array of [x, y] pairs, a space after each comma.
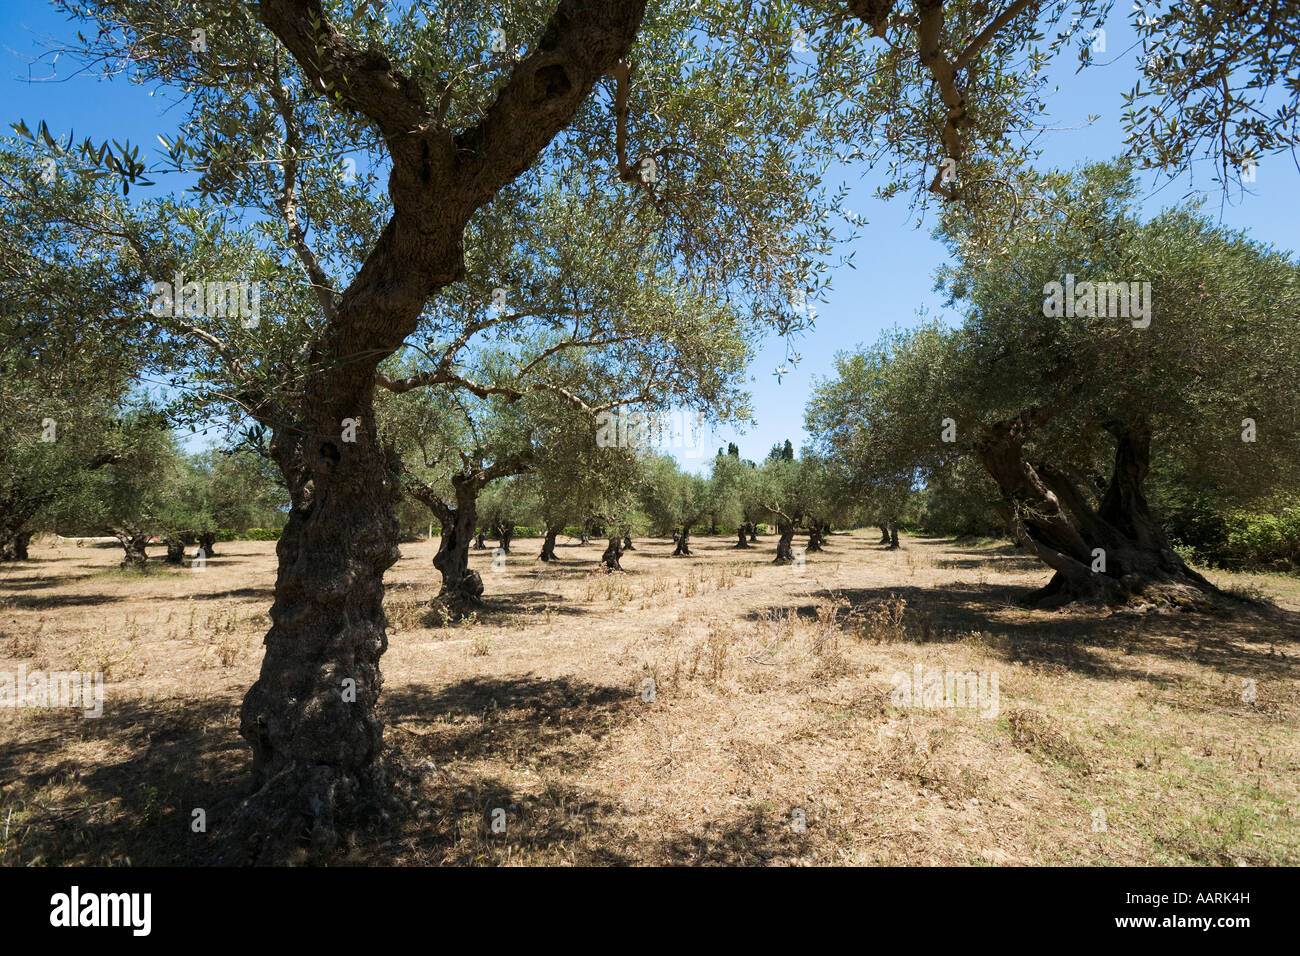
{"points": [[895, 260]]}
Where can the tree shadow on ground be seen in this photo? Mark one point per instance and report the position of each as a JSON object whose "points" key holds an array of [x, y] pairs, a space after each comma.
{"points": [[531, 603], [49, 602], [38, 582], [1002, 563], [266, 594], [548, 726], [169, 757], [1242, 641], [528, 719], [756, 837]]}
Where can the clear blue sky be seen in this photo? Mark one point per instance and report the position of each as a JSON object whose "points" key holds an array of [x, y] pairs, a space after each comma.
{"points": [[895, 260]]}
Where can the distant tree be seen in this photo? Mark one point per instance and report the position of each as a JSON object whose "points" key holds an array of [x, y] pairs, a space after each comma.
{"points": [[781, 452], [783, 492], [675, 501], [130, 496]]}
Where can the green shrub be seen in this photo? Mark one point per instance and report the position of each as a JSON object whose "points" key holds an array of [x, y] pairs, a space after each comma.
{"points": [[1263, 539]]}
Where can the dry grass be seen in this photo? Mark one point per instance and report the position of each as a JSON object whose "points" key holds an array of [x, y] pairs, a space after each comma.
{"points": [[715, 709]]}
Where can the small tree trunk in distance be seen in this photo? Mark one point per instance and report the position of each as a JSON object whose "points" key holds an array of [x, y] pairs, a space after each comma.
{"points": [[784, 551], [683, 542], [814, 538], [207, 543], [753, 533], [627, 543], [135, 545], [462, 589], [741, 540], [548, 545], [893, 537], [478, 541], [175, 551], [884, 534], [610, 559]]}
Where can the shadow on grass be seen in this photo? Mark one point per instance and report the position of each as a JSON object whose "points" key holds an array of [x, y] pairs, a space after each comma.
{"points": [[38, 582], [51, 602], [754, 837], [1241, 641], [525, 719], [547, 726], [266, 594], [169, 757]]}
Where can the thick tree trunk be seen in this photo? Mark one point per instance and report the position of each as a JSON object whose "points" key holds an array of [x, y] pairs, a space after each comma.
{"points": [[310, 718], [884, 533], [784, 551], [627, 543], [175, 551], [548, 545], [815, 539], [479, 544], [683, 542], [742, 541], [504, 534], [135, 545], [1111, 553], [610, 559], [13, 545], [208, 544], [753, 533], [893, 536]]}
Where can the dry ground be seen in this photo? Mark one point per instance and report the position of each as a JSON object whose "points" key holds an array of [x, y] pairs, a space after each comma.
{"points": [[772, 736]]}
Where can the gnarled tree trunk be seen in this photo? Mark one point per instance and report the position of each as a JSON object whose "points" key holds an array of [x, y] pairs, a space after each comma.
{"points": [[893, 536], [462, 588], [135, 545], [627, 543], [742, 540], [208, 544], [310, 717], [175, 551], [548, 545], [505, 534], [13, 545], [610, 559], [884, 534], [784, 551], [815, 538], [1111, 552], [683, 542]]}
